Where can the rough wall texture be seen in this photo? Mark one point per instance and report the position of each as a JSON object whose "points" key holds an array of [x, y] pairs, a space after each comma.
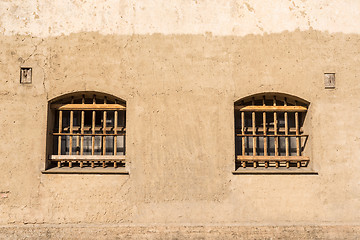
{"points": [[220, 17], [180, 90], [184, 232]]}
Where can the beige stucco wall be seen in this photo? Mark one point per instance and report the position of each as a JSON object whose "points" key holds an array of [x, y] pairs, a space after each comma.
{"points": [[180, 85]]}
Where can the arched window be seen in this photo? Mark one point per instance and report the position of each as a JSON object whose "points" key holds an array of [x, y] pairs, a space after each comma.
{"points": [[269, 132], [87, 131]]}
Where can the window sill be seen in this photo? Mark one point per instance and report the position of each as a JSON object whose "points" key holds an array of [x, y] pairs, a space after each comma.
{"points": [[279, 171], [78, 170]]}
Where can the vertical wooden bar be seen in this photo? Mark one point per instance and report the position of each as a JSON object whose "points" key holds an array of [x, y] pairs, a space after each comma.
{"points": [[275, 133], [243, 138], [104, 132], [297, 137], [254, 133], [71, 131], [286, 134], [93, 132], [115, 132], [265, 132], [59, 138], [82, 131], [77, 144]]}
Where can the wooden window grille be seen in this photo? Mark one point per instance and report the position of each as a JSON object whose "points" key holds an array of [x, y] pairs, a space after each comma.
{"points": [[269, 132], [88, 132]]}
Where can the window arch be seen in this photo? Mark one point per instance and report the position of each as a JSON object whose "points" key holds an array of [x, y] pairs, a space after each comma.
{"points": [[87, 131], [269, 132]]}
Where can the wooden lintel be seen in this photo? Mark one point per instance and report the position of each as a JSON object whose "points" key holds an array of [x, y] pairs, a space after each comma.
{"points": [[272, 158], [84, 107], [271, 108]]}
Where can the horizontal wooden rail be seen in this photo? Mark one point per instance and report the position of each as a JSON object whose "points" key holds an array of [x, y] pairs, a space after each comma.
{"points": [[87, 157], [271, 108], [89, 128], [90, 134], [272, 158], [269, 135], [268, 129], [94, 107]]}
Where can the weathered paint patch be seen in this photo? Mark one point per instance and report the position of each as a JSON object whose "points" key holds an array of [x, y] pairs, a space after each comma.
{"points": [[43, 18]]}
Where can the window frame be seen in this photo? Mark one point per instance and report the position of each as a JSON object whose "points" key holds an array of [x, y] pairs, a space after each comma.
{"points": [[59, 162], [258, 104]]}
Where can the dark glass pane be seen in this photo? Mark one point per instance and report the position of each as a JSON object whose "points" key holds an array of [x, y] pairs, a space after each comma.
{"points": [[109, 145], [121, 118], [282, 146], [55, 145], [120, 145], [292, 144], [98, 145], [88, 118], [271, 146], [260, 146], [66, 121], [249, 146], [87, 145]]}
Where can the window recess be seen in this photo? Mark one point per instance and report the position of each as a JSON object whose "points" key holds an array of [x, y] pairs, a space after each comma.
{"points": [[269, 133], [88, 132]]}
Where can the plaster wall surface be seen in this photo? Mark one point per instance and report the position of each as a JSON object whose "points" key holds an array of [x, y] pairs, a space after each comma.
{"points": [[220, 17], [180, 86]]}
